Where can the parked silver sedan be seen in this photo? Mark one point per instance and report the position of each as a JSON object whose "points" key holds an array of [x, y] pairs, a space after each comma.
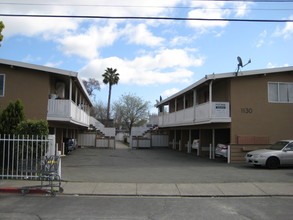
{"points": [[278, 154], [221, 150]]}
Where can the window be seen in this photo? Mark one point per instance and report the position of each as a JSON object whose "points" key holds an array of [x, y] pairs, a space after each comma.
{"points": [[280, 92], [289, 147], [2, 83]]}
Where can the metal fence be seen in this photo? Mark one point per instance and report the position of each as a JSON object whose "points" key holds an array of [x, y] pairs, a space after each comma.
{"points": [[20, 156]]}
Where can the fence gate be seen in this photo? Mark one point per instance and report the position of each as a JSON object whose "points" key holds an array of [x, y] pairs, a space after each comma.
{"points": [[20, 156], [91, 140], [140, 142], [105, 143], [87, 140]]}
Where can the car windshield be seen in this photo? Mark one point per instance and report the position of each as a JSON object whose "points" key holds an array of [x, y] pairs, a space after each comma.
{"points": [[278, 146]]}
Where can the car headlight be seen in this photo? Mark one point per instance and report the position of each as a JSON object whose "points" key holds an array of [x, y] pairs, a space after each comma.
{"points": [[259, 156]]}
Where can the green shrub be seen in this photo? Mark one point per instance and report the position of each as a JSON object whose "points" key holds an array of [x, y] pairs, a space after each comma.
{"points": [[10, 117], [33, 128]]}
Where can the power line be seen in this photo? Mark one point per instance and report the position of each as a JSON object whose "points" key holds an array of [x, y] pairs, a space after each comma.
{"points": [[132, 6], [148, 18], [260, 1], [66, 4]]}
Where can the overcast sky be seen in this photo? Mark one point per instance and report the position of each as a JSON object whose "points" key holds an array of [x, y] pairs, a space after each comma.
{"points": [[153, 57]]}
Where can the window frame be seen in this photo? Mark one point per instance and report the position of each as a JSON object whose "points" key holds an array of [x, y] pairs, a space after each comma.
{"points": [[278, 92], [3, 93]]}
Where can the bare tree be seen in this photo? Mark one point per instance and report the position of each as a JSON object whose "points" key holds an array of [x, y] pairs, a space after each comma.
{"points": [[130, 111], [91, 85], [99, 111]]}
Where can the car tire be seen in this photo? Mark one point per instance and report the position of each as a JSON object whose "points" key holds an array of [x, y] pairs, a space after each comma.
{"points": [[257, 166], [272, 163]]}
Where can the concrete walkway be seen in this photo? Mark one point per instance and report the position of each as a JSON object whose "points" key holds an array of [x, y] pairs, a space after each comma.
{"points": [[120, 145], [160, 189]]}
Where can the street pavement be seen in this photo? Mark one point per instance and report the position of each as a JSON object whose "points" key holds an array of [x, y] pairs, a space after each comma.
{"points": [[144, 208], [161, 172]]}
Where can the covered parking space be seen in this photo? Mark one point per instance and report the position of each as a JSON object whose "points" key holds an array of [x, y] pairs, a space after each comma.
{"points": [[200, 140]]}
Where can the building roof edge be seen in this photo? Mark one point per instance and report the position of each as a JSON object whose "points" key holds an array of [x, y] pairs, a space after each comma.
{"points": [[226, 75]]}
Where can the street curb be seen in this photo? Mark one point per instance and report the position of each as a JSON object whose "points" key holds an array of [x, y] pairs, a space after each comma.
{"points": [[16, 190], [172, 196], [10, 190]]}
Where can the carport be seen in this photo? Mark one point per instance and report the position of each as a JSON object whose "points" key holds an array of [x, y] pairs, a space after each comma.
{"points": [[201, 140]]}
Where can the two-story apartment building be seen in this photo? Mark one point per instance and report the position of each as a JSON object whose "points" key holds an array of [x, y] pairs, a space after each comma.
{"points": [[247, 110], [51, 94]]}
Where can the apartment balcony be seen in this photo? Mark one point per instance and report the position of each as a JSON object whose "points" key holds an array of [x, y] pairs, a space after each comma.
{"points": [[67, 111], [215, 112]]}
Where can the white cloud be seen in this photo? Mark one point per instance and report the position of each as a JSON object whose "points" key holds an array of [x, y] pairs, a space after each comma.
{"points": [[261, 41], [215, 10], [30, 59], [141, 35], [263, 34], [169, 92], [271, 65], [46, 27], [287, 31], [169, 58], [87, 44], [180, 40], [208, 10], [164, 66], [55, 64], [31, 26], [242, 8]]}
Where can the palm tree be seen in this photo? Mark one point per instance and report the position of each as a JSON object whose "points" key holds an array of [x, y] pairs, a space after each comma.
{"points": [[112, 77]]}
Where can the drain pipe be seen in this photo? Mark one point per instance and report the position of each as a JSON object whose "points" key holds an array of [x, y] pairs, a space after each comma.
{"points": [[210, 98]]}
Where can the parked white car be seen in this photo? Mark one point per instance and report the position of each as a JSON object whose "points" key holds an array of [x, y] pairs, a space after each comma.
{"points": [[278, 154]]}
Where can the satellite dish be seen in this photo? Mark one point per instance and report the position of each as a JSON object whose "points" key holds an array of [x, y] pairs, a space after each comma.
{"points": [[240, 64]]}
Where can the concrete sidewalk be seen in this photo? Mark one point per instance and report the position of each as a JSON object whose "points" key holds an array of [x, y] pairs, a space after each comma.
{"points": [[160, 189]]}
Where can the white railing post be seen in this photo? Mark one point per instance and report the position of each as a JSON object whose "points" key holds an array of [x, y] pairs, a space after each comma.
{"points": [[229, 154], [188, 147], [63, 149], [174, 144], [59, 165], [51, 145]]}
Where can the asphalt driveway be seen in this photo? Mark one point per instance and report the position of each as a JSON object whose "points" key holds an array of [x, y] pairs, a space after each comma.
{"points": [[125, 165]]}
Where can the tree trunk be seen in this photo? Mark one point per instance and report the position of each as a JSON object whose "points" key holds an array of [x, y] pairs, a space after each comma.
{"points": [[109, 99]]}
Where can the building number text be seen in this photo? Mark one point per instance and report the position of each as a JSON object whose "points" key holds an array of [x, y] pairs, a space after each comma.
{"points": [[246, 110]]}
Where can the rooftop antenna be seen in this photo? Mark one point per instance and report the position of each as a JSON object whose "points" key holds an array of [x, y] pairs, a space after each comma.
{"points": [[240, 64]]}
